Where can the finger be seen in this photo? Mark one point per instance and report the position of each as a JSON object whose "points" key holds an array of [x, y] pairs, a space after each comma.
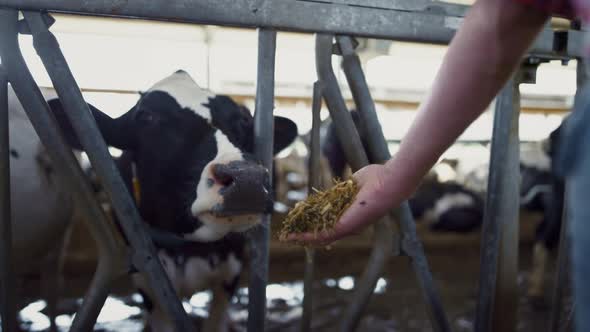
{"points": [[310, 237], [323, 238]]}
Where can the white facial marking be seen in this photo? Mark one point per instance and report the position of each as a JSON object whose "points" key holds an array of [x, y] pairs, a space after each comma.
{"points": [[224, 146], [208, 196], [186, 92], [214, 228]]}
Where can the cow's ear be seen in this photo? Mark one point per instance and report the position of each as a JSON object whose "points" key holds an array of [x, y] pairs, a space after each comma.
{"points": [[285, 133], [116, 132]]}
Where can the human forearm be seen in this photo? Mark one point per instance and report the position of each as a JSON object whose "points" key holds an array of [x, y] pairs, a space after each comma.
{"points": [[480, 59]]}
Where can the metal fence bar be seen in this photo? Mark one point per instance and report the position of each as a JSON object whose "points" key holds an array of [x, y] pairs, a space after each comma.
{"points": [[506, 302], [7, 298], [561, 275], [94, 299], [313, 183], [351, 64], [67, 167], [76, 109], [263, 149], [345, 128], [563, 259], [379, 153], [357, 158], [497, 305], [426, 26]]}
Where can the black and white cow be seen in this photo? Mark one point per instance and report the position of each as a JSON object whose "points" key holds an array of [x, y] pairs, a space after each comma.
{"points": [[445, 206], [542, 191], [192, 151]]}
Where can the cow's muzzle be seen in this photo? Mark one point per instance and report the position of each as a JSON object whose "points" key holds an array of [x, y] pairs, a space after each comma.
{"points": [[245, 188]]}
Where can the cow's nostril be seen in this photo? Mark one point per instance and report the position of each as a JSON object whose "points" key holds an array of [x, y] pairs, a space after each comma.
{"points": [[222, 175], [225, 180]]}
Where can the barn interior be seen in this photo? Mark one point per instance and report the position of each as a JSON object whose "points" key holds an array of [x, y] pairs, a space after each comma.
{"points": [[114, 59]]}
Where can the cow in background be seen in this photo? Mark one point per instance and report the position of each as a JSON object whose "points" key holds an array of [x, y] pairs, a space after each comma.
{"points": [[445, 206], [192, 152], [542, 191]]}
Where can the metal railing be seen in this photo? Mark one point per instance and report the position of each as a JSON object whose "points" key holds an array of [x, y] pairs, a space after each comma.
{"points": [[263, 147], [499, 247], [378, 153], [419, 21], [7, 298], [142, 254]]}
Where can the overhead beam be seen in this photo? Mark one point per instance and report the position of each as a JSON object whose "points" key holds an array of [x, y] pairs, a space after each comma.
{"points": [[436, 23]]}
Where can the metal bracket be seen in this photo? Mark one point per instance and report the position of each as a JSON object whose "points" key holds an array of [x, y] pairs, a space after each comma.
{"points": [[23, 26], [527, 73], [337, 50]]}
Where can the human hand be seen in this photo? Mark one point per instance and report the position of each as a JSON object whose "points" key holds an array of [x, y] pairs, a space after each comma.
{"points": [[372, 202]]}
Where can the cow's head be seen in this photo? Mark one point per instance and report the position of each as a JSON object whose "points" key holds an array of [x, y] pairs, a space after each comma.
{"points": [[193, 154]]}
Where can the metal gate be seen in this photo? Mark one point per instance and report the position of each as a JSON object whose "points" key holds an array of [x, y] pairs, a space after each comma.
{"points": [[335, 24]]}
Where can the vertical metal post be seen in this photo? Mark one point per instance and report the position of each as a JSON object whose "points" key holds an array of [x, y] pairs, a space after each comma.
{"points": [[351, 64], [314, 182], [379, 153], [498, 293], [345, 128], [94, 299], [77, 111], [263, 149], [561, 275], [7, 298], [563, 259], [356, 157], [69, 170]]}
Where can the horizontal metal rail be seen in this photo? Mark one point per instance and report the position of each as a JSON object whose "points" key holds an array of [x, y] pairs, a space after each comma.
{"points": [[431, 22]]}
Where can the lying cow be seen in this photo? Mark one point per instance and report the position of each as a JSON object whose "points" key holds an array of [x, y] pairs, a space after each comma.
{"points": [[192, 152], [445, 206], [542, 191]]}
